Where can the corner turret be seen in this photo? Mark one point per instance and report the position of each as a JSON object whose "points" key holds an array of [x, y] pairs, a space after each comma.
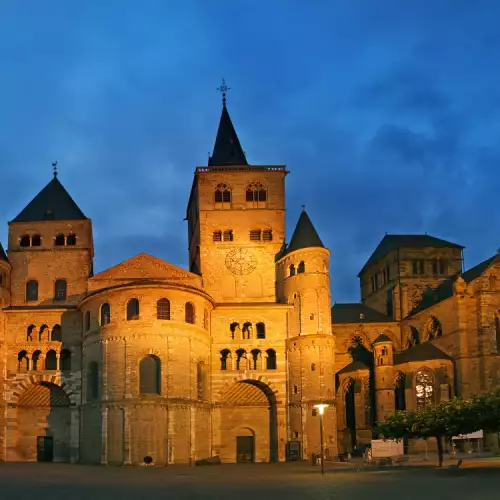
{"points": [[383, 348]]}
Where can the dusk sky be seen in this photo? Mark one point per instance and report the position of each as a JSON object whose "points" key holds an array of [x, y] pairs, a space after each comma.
{"points": [[386, 114]]}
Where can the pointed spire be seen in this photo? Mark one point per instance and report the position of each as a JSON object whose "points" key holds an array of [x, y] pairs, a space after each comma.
{"points": [[53, 202], [3, 255], [227, 148], [305, 235]]}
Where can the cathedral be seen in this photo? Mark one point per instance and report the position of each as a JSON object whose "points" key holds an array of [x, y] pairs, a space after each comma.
{"points": [[146, 362]]}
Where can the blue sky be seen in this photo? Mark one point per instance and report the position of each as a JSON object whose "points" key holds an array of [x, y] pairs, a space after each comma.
{"points": [[385, 112]]}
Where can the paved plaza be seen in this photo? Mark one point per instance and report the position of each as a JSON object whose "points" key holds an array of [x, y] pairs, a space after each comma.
{"points": [[242, 482]]}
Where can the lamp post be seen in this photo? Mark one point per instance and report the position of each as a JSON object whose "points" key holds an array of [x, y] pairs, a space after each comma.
{"points": [[321, 407]]}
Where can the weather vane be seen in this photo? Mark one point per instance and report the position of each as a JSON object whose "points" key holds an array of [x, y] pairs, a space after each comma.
{"points": [[54, 166], [223, 89]]}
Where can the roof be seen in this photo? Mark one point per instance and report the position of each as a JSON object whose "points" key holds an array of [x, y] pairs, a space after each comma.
{"points": [[444, 290], [227, 148], [382, 338], [351, 313], [304, 235], [392, 242], [3, 255], [352, 367], [421, 352], [53, 202]]}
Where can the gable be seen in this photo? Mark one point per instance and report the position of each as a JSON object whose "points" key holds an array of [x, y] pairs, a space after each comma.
{"points": [[145, 267]]}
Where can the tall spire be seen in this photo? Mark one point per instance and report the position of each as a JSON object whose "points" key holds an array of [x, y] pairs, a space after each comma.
{"points": [[304, 235], [227, 148]]}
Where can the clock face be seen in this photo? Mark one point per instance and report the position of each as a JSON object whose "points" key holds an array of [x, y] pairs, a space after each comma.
{"points": [[241, 261]]}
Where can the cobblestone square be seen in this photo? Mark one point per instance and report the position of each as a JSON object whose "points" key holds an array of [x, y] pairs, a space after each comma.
{"points": [[242, 482]]}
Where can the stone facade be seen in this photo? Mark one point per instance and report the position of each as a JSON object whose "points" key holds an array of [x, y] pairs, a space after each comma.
{"points": [[146, 361]]}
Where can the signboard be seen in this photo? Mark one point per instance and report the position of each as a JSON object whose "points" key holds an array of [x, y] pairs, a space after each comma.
{"points": [[386, 449], [473, 435]]}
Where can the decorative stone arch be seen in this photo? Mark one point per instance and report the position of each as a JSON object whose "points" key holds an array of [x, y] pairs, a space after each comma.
{"points": [[365, 340], [258, 380], [145, 352], [432, 329], [399, 375], [393, 337], [35, 380]]}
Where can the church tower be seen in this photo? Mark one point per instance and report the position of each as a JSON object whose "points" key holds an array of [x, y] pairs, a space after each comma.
{"points": [[304, 282], [236, 221], [50, 250]]}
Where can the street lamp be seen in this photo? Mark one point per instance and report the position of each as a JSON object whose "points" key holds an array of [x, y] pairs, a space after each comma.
{"points": [[321, 407]]}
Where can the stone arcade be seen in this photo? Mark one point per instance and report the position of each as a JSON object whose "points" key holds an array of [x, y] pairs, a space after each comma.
{"points": [[149, 360]]}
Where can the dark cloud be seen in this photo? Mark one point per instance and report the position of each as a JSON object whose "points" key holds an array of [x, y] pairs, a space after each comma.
{"points": [[386, 116]]}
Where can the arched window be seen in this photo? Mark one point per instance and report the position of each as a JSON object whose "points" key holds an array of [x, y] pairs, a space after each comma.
{"points": [[35, 361], [189, 310], [261, 330], [291, 270], [65, 360], [36, 241], [71, 239], [217, 236], [201, 379], [149, 375], [92, 381], [432, 329], [313, 367], [105, 314], [235, 330], [31, 333], [399, 393], [225, 354], [271, 359], [22, 361], [267, 235], [163, 309], [241, 359], [43, 335], [25, 240], [247, 331], [228, 235], [222, 194], [60, 240], [295, 389], [301, 268], [87, 321], [31, 290], [132, 309], [255, 359], [256, 192], [56, 335], [51, 360], [60, 290], [424, 389]]}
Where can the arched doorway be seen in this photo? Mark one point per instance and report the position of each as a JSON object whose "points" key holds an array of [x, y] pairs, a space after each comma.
{"points": [[249, 424], [43, 424]]}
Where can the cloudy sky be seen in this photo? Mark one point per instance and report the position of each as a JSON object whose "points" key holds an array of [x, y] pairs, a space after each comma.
{"points": [[387, 114]]}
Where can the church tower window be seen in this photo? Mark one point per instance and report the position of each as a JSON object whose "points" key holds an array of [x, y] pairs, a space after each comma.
{"points": [[261, 330], [255, 234], [71, 239], [267, 235], [25, 241], [256, 193], [228, 235], [222, 194], [36, 240], [60, 240], [32, 290], [217, 236], [60, 290], [301, 268]]}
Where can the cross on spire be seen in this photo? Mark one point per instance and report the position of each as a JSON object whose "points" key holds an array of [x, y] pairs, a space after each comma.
{"points": [[223, 89], [54, 166]]}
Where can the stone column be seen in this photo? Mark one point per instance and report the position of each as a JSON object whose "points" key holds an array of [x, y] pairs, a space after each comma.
{"points": [[75, 436], [104, 436], [171, 434], [404, 299], [192, 452], [127, 455], [105, 370], [58, 361]]}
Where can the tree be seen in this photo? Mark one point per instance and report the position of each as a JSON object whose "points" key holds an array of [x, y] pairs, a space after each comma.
{"points": [[448, 419]]}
